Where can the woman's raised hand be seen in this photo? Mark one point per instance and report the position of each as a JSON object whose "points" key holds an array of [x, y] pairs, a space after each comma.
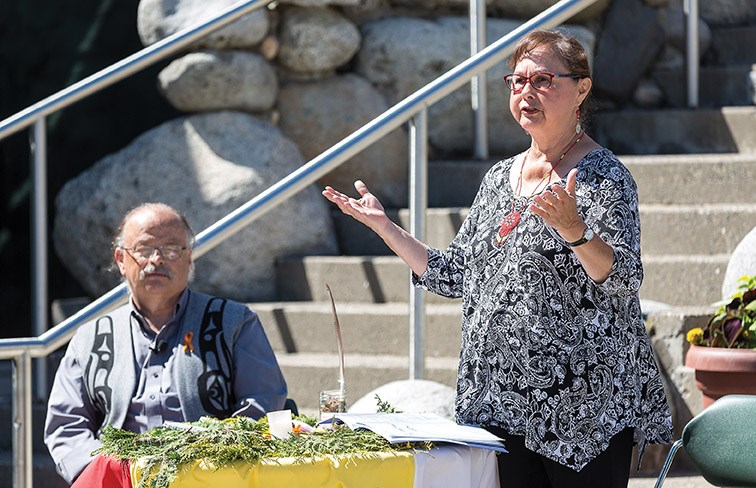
{"points": [[370, 212], [367, 209], [558, 207]]}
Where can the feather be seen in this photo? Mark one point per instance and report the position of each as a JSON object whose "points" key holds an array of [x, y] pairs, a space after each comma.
{"points": [[337, 329]]}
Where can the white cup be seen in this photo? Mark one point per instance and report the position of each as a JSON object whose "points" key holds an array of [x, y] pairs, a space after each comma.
{"points": [[280, 423]]}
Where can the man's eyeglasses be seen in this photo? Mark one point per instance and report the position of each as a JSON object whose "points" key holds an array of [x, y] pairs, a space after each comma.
{"points": [[169, 252], [540, 81]]}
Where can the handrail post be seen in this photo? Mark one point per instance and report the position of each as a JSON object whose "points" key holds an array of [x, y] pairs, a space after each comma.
{"points": [[39, 282], [691, 9], [478, 88], [418, 204], [22, 432]]}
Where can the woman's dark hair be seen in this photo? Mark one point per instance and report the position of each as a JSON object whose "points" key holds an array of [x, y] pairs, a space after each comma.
{"points": [[565, 46]]}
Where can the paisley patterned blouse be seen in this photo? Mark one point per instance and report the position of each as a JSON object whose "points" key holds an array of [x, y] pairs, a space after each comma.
{"points": [[547, 352]]}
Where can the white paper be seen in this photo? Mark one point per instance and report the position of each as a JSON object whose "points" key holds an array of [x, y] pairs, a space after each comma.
{"points": [[419, 427]]}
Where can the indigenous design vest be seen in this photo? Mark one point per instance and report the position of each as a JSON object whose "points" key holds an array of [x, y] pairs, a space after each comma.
{"points": [[203, 377]]}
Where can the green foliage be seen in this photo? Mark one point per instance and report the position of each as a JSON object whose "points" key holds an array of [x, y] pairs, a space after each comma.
{"points": [[385, 407], [733, 325], [162, 452]]}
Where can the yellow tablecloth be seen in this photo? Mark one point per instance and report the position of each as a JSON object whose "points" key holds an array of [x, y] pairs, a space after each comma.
{"points": [[456, 466]]}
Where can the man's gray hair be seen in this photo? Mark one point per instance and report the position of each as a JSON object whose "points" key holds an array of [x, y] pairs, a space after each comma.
{"points": [[118, 234]]}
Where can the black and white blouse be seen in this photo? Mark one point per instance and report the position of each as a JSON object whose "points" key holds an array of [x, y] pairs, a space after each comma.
{"points": [[547, 352]]}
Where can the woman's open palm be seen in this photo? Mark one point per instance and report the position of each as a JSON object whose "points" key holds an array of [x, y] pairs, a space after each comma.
{"points": [[367, 209]]}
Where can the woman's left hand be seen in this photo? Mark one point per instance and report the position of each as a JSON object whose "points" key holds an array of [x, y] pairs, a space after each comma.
{"points": [[558, 208]]}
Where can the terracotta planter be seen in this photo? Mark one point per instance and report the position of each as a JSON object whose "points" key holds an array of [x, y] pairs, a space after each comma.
{"points": [[721, 371]]}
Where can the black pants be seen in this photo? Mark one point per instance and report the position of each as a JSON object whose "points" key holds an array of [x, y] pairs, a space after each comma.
{"points": [[523, 468]]}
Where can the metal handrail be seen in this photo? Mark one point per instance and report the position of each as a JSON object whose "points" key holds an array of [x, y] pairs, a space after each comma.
{"points": [[691, 10], [478, 90], [413, 108]]}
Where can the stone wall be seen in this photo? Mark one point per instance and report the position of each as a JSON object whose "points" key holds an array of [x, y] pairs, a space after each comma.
{"points": [[307, 73], [303, 63]]}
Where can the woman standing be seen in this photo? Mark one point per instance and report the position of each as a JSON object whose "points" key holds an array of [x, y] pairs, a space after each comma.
{"points": [[555, 358]]}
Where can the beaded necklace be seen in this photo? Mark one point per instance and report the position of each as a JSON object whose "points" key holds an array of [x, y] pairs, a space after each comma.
{"points": [[511, 219]]}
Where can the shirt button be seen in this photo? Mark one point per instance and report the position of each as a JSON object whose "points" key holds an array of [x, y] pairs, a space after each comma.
{"points": [[152, 397], [155, 375]]}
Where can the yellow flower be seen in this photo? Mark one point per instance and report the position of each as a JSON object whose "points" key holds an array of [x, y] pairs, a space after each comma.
{"points": [[695, 336]]}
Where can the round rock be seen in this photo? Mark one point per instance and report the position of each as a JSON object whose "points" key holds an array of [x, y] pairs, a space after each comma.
{"points": [[206, 166]]}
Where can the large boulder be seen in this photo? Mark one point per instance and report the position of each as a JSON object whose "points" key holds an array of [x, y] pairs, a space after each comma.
{"points": [[218, 80], [206, 166], [158, 19], [626, 50], [742, 263], [727, 12], [317, 115], [316, 40]]}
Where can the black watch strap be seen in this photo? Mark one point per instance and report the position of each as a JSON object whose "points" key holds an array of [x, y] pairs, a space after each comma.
{"points": [[587, 236]]}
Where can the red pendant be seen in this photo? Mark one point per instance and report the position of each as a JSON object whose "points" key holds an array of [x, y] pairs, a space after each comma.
{"points": [[510, 222]]}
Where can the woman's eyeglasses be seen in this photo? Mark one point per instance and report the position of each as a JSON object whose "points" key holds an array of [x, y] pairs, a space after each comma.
{"points": [[540, 81]]}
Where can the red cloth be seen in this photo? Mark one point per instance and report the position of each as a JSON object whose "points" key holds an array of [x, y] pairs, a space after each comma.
{"points": [[104, 472]]}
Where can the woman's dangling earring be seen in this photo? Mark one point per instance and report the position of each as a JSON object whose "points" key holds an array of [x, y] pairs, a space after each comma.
{"points": [[578, 128]]}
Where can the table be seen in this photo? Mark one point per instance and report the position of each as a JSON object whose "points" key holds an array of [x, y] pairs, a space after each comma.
{"points": [[444, 465]]}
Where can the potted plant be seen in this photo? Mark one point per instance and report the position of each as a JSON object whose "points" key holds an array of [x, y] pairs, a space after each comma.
{"points": [[723, 353]]}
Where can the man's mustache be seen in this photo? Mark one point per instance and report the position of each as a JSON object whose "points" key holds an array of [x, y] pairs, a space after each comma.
{"points": [[151, 269]]}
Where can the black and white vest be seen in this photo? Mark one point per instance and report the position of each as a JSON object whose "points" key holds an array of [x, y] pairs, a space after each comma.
{"points": [[203, 377]]}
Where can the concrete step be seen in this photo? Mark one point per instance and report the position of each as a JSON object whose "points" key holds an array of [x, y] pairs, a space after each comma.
{"points": [[454, 183], [695, 229], [684, 280], [694, 178], [719, 86], [675, 279], [357, 240], [670, 277], [366, 328], [363, 279], [727, 45], [677, 131], [309, 373], [671, 178]]}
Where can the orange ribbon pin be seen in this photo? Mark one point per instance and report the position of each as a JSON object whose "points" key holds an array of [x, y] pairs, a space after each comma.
{"points": [[188, 342]]}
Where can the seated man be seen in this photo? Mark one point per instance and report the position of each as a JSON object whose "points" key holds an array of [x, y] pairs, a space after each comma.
{"points": [[170, 354]]}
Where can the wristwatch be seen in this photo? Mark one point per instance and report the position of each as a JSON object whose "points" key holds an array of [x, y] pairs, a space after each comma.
{"points": [[588, 234]]}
